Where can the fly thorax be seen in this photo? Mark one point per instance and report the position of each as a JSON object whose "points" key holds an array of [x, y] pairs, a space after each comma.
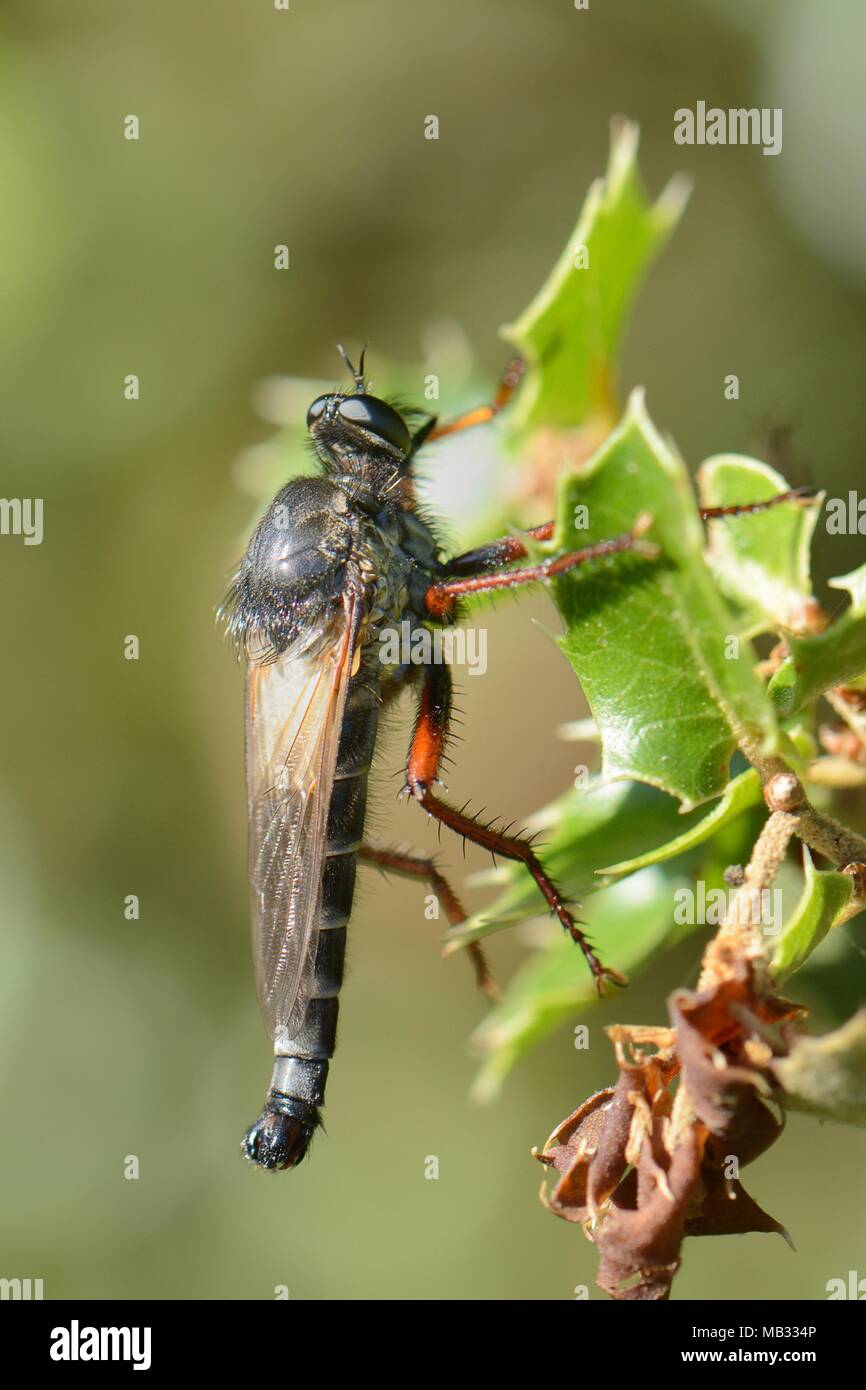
{"points": [[385, 569], [292, 577]]}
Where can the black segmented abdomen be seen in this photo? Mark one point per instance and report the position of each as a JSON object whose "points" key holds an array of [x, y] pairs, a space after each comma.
{"points": [[281, 1135]]}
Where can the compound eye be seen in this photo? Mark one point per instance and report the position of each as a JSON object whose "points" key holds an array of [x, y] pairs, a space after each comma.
{"points": [[315, 411], [377, 418]]}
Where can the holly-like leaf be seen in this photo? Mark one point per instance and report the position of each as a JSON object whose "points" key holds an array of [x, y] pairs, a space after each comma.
{"points": [[627, 923], [570, 333], [827, 1076], [836, 656], [669, 681], [741, 793], [825, 897], [760, 559]]}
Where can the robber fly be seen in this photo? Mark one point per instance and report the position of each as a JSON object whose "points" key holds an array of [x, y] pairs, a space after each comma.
{"points": [[335, 561]]}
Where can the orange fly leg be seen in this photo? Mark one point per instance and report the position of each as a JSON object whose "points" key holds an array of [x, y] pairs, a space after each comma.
{"points": [[425, 752], [503, 551], [480, 415], [430, 733], [484, 413]]}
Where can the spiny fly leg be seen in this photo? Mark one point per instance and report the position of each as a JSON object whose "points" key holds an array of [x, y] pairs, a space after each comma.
{"points": [[513, 847], [431, 729], [410, 865], [805, 495], [441, 596], [506, 549], [428, 740]]}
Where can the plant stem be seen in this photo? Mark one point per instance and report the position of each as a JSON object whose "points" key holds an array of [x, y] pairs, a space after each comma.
{"points": [[826, 836], [740, 935]]}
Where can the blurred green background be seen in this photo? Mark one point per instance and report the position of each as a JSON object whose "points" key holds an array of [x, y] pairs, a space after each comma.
{"points": [[156, 257]]}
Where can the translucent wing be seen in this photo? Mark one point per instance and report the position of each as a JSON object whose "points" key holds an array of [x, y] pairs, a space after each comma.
{"points": [[294, 715]]}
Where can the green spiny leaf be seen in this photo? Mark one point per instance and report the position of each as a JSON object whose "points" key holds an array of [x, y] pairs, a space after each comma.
{"points": [[670, 685], [570, 332], [741, 793], [760, 559]]}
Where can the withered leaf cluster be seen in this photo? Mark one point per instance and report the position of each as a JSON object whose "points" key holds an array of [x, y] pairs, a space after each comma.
{"points": [[641, 1166]]}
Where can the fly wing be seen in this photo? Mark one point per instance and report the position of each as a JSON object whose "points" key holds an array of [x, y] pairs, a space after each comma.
{"points": [[294, 716]]}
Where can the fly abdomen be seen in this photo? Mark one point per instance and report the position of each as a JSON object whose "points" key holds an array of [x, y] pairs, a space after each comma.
{"points": [[281, 1135]]}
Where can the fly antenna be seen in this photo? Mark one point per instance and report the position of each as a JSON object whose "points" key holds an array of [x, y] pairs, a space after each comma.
{"points": [[357, 376]]}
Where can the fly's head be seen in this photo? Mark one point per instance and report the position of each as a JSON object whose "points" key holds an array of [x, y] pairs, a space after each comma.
{"points": [[359, 437]]}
